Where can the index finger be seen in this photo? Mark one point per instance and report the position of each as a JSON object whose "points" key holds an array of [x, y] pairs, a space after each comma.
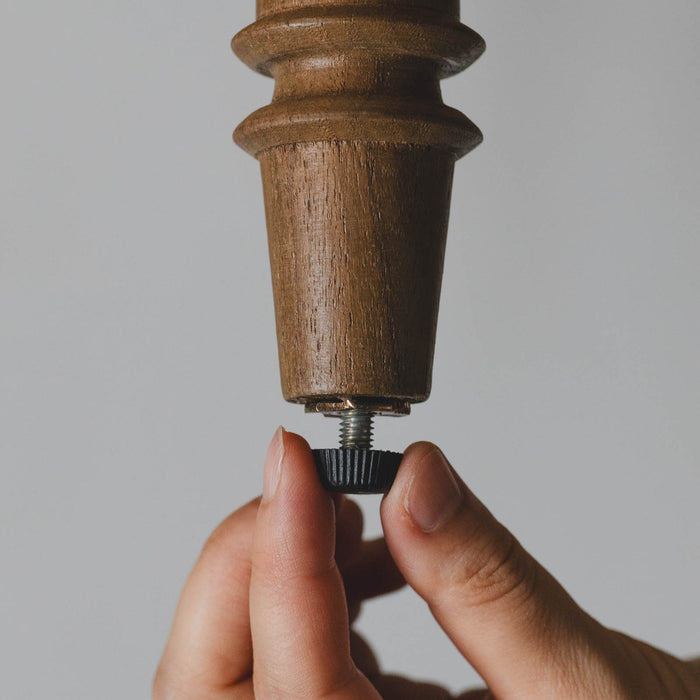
{"points": [[299, 616], [209, 647]]}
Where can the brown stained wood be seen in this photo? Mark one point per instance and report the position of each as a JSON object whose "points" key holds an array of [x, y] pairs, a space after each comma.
{"points": [[357, 152]]}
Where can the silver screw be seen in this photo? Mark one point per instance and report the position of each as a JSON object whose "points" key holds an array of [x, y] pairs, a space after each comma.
{"points": [[356, 429]]}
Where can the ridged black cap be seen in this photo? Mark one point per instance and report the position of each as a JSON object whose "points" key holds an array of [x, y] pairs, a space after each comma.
{"points": [[357, 471]]}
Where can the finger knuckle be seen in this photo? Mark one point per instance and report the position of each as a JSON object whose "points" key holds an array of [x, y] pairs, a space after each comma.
{"points": [[218, 540], [500, 569], [234, 534], [162, 687]]}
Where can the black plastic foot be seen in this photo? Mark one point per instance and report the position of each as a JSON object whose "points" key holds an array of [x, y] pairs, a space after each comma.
{"points": [[357, 471]]}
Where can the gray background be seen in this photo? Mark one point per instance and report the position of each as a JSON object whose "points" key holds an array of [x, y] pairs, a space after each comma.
{"points": [[138, 379]]}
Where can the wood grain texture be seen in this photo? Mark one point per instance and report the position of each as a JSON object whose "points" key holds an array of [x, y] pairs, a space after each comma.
{"points": [[357, 152]]}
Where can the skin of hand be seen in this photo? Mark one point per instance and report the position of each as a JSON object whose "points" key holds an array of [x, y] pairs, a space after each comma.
{"points": [[267, 610]]}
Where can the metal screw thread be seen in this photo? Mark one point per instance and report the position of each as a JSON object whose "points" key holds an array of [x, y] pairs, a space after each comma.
{"points": [[356, 429]]}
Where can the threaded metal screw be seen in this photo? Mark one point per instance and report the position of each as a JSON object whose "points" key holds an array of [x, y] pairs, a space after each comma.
{"points": [[356, 429]]}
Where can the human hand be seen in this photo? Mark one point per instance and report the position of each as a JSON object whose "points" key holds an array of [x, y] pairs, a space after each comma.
{"points": [[266, 611]]}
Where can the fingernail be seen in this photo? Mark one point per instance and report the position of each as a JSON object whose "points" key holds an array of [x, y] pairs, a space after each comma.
{"points": [[273, 464], [433, 495]]}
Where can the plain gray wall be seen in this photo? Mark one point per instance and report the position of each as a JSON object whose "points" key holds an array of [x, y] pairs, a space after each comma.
{"points": [[139, 381]]}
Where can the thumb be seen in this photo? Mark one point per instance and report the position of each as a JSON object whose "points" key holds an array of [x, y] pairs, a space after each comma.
{"points": [[505, 613]]}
